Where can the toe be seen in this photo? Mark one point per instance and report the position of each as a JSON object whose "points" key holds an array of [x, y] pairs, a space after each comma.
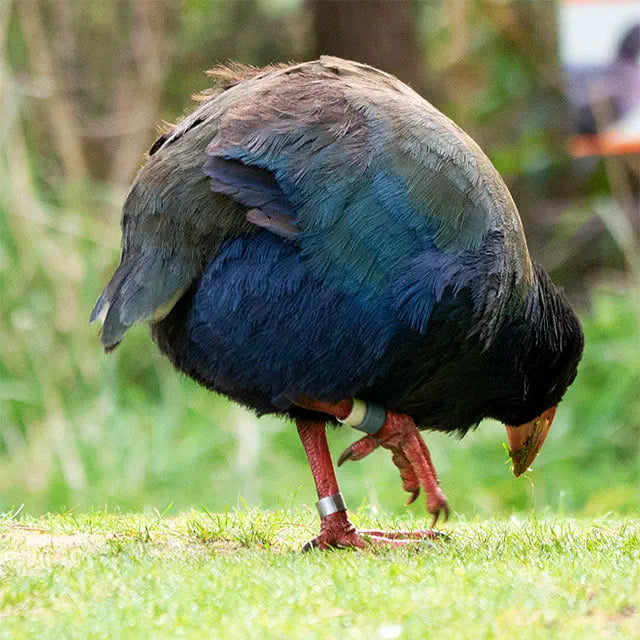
{"points": [[358, 450], [418, 456], [420, 534], [436, 505], [410, 481], [413, 497]]}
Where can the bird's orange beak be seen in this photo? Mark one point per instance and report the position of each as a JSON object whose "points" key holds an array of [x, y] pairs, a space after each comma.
{"points": [[527, 439]]}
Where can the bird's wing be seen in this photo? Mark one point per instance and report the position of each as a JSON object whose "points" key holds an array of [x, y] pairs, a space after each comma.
{"points": [[386, 197], [172, 224]]}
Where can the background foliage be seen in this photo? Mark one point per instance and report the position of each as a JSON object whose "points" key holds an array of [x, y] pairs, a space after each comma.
{"points": [[83, 86]]}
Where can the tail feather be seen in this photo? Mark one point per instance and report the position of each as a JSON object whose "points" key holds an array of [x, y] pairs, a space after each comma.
{"points": [[106, 297], [99, 310], [142, 284], [113, 329]]}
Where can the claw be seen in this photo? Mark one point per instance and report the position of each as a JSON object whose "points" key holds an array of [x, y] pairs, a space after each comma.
{"points": [[437, 505], [312, 544], [436, 515], [344, 456], [413, 497], [358, 450]]}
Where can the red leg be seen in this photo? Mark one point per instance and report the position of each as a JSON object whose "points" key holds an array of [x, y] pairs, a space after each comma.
{"points": [[409, 452], [336, 529]]}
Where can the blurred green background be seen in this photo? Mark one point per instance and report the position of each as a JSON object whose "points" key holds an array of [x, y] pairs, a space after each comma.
{"points": [[83, 88]]}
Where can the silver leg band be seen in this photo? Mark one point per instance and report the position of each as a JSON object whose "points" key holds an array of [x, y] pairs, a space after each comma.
{"points": [[331, 504]]}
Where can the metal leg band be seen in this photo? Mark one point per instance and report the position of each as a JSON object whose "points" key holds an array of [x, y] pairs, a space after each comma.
{"points": [[331, 504]]}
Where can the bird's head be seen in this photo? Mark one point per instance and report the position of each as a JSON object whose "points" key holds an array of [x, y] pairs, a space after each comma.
{"points": [[549, 356], [526, 440]]}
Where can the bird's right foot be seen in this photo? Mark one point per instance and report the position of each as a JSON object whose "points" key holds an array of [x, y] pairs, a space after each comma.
{"points": [[411, 456]]}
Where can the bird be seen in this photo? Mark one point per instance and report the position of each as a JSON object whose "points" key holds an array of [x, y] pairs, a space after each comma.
{"points": [[316, 240]]}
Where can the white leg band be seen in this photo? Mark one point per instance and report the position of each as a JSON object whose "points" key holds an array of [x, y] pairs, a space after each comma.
{"points": [[357, 414], [368, 417]]}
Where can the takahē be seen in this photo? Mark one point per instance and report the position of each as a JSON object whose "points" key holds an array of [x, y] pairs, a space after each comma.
{"points": [[317, 240]]}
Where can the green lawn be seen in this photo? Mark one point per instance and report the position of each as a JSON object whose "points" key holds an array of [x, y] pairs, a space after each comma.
{"points": [[241, 575]]}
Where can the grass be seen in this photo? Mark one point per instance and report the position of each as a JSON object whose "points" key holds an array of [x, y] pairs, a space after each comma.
{"points": [[241, 575]]}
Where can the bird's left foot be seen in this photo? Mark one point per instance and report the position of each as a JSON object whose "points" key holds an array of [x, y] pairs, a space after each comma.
{"points": [[410, 454], [337, 532]]}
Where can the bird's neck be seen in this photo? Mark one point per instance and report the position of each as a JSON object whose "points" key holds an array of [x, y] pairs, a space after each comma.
{"points": [[539, 348]]}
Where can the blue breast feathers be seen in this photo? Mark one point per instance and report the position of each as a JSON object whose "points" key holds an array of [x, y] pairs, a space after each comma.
{"points": [[261, 321], [262, 324]]}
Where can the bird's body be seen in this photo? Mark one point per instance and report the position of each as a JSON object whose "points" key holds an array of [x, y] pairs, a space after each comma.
{"points": [[319, 231]]}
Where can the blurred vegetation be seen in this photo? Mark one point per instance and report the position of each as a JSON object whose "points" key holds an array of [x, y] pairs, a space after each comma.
{"points": [[83, 87]]}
